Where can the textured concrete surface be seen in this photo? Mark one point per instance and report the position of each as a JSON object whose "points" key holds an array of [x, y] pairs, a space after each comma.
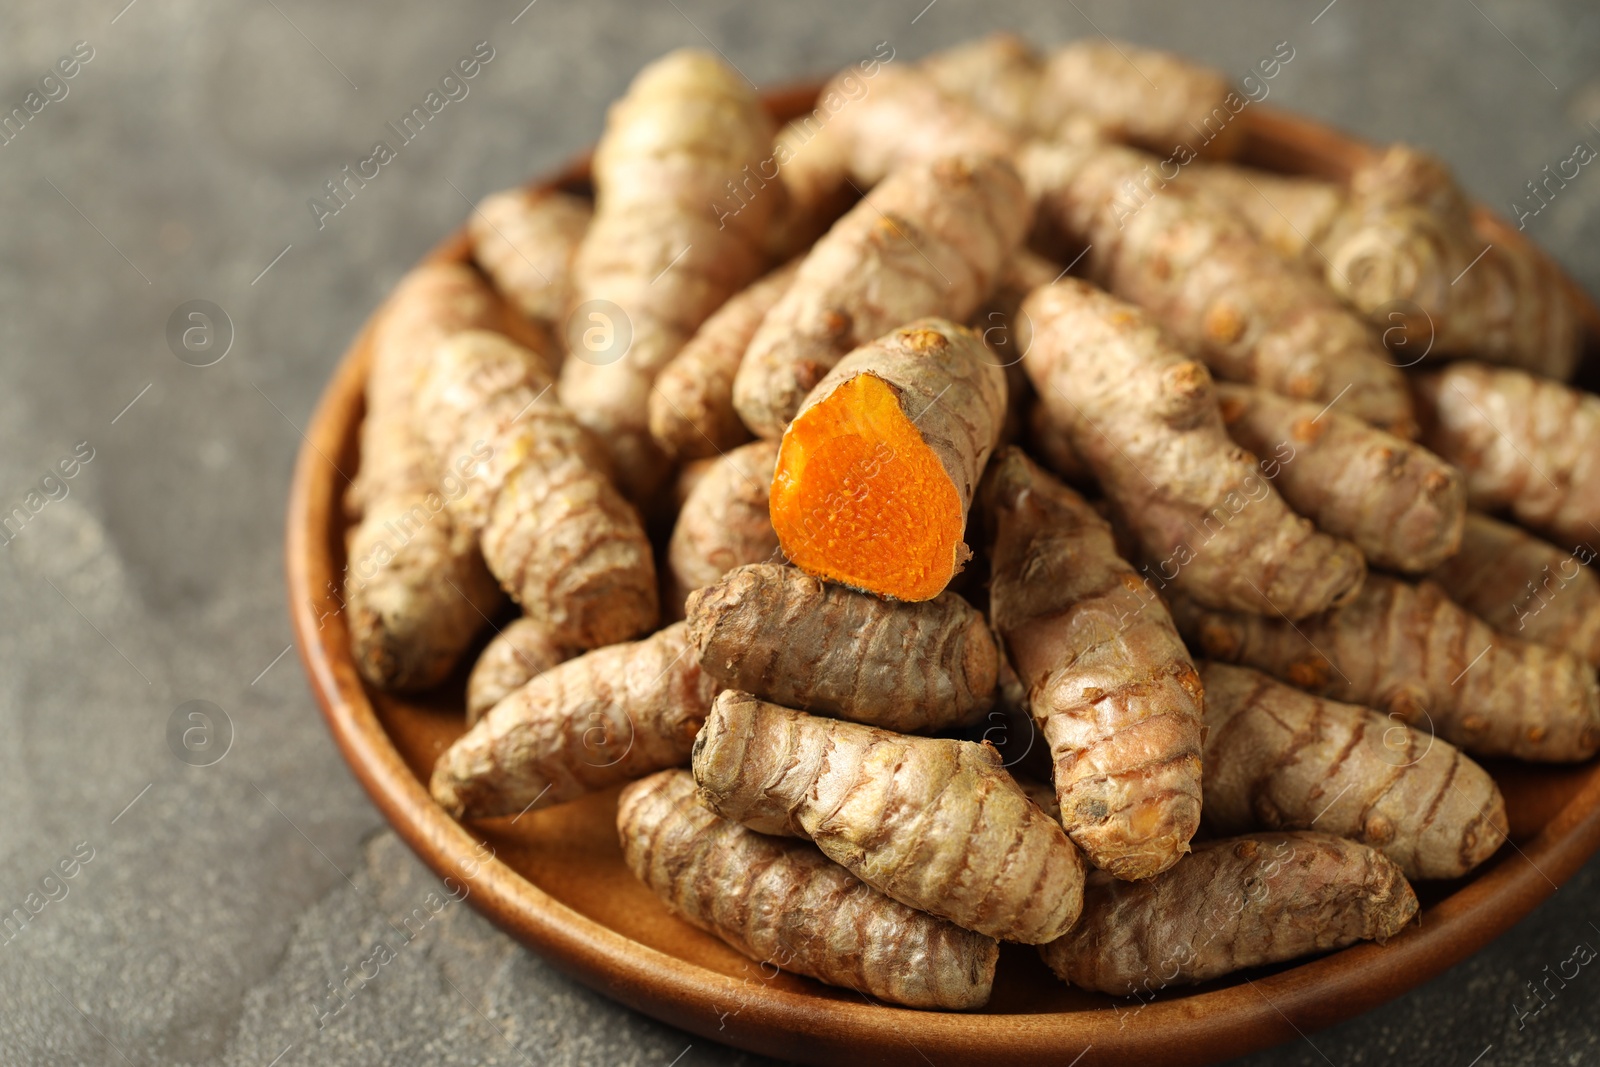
{"points": [[217, 903]]}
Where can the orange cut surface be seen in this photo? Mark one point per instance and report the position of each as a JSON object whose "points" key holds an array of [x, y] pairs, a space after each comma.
{"points": [[859, 498]]}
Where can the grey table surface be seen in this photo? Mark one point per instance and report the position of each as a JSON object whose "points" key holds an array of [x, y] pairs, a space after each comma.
{"points": [[219, 904]]}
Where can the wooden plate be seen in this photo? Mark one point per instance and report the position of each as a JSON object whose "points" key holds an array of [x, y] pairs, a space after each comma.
{"points": [[555, 880]]}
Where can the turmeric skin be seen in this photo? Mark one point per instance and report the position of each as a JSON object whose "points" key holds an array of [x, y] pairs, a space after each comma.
{"points": [[1527, 445], [414, 604], [815, 187], [1144, 419], [1284, 211], [936, 824], [1403, 245], [1403, 506], [1235, 903], [525, 240], [554, 530], [1408, 649], [998, 74], [786, 637], [929, 240], [904, 119], [725, 522], [785, 904], [1526, 587], [1210, 283], [660, 249], [1278, 758], [616, 713], [997, 323], [691, 406], [1047, 441], [1110, 684], [1144, 96], [518, 653]]}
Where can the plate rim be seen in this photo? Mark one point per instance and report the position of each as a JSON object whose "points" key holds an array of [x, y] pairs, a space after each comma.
{"points": [[1217, 1023]]}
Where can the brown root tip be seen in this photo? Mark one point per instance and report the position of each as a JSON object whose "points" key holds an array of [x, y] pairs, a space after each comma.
{"points": [[1307, 431], [980, 660], [1223, 324], [1188, 389], [1439, 482], [1220, 639], [442, 786], [1309, 674], [1402, 907], [1484, 835], [922, 340], [388, 660]]}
